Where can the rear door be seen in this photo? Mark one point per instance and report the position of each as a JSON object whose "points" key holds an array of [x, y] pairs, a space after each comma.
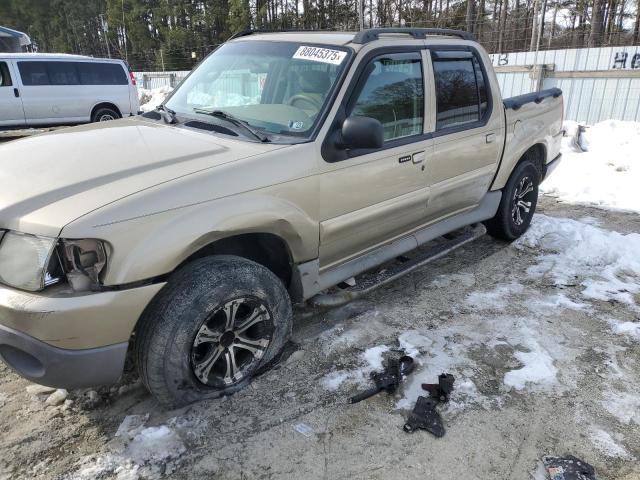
{"points": [[370, 197], [11, 112], [468, 134]]}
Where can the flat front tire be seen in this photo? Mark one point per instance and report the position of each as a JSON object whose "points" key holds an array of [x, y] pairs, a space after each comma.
{"points": [[216, 323], [518, 203]]}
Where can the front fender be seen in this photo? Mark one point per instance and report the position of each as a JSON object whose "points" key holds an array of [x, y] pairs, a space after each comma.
{"points": [[150, 246]]}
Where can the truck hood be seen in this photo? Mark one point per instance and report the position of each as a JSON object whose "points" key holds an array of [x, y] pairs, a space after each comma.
{"points": [[47, 181]]}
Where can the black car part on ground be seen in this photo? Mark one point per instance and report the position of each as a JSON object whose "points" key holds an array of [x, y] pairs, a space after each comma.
{"points": [[424, 415], [568, 468], [440, 391], [387, 380]]}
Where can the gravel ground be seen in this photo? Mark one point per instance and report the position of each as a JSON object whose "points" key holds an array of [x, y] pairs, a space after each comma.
{"points": [[476, 313]]}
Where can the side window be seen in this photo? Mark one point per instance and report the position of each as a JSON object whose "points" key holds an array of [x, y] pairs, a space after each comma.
{"points": [[33, 73], [92, 73], [5, 78], [62, 73], [393, 93], [461, 92]]}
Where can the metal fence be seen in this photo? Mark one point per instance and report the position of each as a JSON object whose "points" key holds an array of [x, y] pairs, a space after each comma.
{"points": [[597, 83], [150, 80]]}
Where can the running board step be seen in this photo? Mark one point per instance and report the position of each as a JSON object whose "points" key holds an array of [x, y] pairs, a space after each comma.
{"points": [[370, 282]]}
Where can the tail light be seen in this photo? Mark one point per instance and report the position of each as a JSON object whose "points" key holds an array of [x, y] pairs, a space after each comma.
{"points": [[133, 78]]}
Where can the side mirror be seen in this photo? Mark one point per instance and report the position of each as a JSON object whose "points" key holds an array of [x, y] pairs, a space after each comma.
{"points": [[362, 132]]}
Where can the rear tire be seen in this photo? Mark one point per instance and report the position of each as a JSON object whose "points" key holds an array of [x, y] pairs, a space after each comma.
{"points": [[105, 114], [193, 341], [518, 203]]}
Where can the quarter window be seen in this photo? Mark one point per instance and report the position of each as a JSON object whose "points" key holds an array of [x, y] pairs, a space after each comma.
{"points": [[92, 73], [461, 91], [393, 94]]}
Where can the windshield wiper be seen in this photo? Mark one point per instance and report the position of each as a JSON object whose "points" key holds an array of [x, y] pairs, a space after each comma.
{"points": [[168, 115], [234, 120]]}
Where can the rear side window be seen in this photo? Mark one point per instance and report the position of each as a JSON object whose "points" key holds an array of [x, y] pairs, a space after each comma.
{"points": [[62, 73], [72, 73], [461, 91], [34, 73], [102, 74], [5, 78], [393, 94]]}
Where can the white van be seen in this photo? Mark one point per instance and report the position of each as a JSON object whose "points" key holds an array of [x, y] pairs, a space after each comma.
{"points": [[50, 89]]}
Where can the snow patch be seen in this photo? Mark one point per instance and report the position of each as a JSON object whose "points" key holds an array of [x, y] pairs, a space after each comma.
{"points": [[630, 329], [604, 262], [604, 442], [623, 405], [607, 174], [537, 369], [496, 299], [456, 279]]}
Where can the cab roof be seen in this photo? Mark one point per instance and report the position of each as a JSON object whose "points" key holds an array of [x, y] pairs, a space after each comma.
{"points": [[344, 38]]}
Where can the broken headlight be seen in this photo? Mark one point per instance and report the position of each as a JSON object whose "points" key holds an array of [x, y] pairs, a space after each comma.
{"points": [[82, 262], [24, 260], [32, 263]]}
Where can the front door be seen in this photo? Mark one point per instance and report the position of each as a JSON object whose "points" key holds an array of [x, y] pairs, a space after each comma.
{"points": [[369, 197], [11, 112]]}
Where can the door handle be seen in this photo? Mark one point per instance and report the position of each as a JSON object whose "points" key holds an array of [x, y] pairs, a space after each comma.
{"points": [[491, 138], [16, 93], [418, 157]]}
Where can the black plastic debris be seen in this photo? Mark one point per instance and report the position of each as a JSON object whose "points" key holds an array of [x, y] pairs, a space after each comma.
{"points": [[568, 468], [441, 390], [425, 417], [389, 379]]}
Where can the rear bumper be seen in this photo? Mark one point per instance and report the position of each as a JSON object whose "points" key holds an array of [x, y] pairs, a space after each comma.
{"points": [[551, 166], [57, 367]]}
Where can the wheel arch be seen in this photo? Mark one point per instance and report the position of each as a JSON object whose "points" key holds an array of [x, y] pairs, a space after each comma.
{"points": [[104, 105], [265, 248], [536, 153]]}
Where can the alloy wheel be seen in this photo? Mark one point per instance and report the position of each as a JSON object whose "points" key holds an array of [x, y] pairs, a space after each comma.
{"points": [[229, 344], [522, 201]]}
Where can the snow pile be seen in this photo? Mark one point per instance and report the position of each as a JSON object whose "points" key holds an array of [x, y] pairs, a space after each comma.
{"points": [[604, 262], [607, 174], [151, 98]]}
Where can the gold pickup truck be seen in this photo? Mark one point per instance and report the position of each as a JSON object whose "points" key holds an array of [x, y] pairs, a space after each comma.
{"points": [[284, 165]]}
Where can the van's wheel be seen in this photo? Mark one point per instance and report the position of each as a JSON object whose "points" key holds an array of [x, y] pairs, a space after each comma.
{"points": [[519, 200], [210, 329], [105, 114]]}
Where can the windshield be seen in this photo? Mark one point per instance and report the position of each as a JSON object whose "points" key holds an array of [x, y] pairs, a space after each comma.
{"points": [[277, 88]]}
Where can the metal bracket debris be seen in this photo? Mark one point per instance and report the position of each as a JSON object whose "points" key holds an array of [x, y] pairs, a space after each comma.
{"points": [[441, 390], [426, 417], [387, 380]]}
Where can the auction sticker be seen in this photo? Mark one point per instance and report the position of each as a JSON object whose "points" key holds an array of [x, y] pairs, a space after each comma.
{"points": [[319, 54]]}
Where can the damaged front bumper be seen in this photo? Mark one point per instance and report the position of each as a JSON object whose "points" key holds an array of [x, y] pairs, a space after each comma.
{"points": [[69, 340]]}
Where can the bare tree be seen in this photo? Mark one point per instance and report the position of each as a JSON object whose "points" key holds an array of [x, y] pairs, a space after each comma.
{"points": [[597, 24]]}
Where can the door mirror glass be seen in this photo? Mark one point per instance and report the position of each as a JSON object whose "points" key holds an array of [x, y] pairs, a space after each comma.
{"points": [[362, 132]]}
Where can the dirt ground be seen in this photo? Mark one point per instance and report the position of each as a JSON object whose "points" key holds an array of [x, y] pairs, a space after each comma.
{"points": [[475, 313]]}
